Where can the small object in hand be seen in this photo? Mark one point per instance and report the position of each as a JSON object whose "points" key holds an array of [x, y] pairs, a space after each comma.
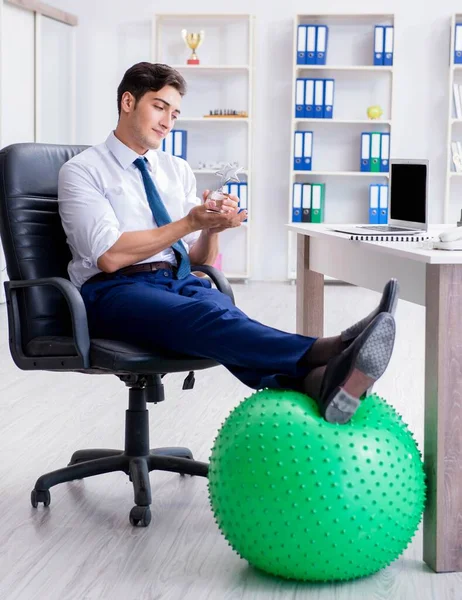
{"points": [[227, 173], [218, 198]]}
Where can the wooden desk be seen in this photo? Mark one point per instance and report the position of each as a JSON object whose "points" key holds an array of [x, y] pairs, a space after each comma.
{"points": [[432, 278]]}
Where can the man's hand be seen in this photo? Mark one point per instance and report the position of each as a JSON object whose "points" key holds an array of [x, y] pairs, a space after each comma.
{"points": [[205, 217], [229, 206], [230, 203]]}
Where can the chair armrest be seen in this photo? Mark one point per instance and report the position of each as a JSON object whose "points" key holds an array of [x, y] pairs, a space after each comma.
{"points": [[78, 317], [217, 277]]}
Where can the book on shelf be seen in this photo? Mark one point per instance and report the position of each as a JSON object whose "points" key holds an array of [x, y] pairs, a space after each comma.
{"points": [[314, 98], [308, 200], [458, 44], [378, 204], [303, 150], [375, 152], [312, 44], [176, 143], [239, 190], [383, 45]]}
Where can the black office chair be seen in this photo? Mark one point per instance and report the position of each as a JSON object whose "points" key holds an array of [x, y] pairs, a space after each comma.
{"points": [[48, 327]]}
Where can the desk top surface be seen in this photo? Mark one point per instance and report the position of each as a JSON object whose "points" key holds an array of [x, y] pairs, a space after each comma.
{"points": [[418, 251]]}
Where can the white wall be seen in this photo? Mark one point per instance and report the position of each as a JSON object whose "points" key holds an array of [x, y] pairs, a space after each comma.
{"points": [[18, 80], [36, 83], [112, 35], [56, 82], [18, 85]]}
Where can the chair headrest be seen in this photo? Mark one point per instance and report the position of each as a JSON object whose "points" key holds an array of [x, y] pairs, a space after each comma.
{"points": [[32, 169]]}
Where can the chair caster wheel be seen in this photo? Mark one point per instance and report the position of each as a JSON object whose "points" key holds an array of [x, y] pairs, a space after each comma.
{"points": [[140, 516], [37, 496]]}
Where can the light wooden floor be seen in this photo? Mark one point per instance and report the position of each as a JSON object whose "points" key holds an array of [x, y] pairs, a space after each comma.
{"points": [[83, 548]]}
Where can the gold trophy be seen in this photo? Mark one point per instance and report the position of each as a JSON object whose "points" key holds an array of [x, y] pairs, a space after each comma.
{"points": [[193, 41]]}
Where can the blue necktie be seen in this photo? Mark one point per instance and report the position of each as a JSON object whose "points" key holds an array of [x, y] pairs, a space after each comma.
{"points": [[161, 217]]}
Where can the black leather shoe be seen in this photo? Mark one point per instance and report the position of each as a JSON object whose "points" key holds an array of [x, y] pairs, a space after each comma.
{"points": [[387, 304], [350, 374]]}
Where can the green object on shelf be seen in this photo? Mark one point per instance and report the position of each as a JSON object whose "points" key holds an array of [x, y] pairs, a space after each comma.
{"points": [[301, 498], [375, 151], [317, 202]]}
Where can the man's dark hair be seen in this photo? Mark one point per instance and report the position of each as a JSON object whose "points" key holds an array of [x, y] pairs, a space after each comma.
{"points": [[149, 77]]}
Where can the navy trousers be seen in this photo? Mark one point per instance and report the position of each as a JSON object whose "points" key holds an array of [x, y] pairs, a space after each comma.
{"points": [[188, 316]]}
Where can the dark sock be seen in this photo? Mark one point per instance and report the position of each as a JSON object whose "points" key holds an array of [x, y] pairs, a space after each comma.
{"points": [[322, 351], [312, 383]]}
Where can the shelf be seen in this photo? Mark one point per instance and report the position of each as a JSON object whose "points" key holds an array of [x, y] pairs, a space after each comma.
{"points": [[343, 68], [212, 67], [342, 173], [455, 174], [183, 16], [213, 119], [347, 121], [213, 171], [342, 17]]}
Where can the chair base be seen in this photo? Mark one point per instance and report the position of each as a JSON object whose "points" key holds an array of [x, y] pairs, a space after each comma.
{"points": [[137, 460], [87, 463]]}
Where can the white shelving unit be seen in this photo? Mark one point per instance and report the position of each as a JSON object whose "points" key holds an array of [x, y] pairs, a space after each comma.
{"points": [[453, 188], [336, 142], [224, 79]]}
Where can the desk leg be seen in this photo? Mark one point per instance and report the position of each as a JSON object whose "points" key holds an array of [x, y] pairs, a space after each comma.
{"points": [[310, 292], [443, 418]]}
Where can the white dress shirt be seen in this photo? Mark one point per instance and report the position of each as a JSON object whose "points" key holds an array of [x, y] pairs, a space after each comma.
{"points": [[101, 195]]}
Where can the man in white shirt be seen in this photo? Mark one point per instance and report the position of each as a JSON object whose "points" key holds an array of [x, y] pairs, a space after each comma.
{"points": [[134, 226]]}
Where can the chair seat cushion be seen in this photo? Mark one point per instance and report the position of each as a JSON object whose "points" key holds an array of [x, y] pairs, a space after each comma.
{"points": [[114, 356]]}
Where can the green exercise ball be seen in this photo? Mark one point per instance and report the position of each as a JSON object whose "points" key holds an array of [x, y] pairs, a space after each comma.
{"points": [[304, 499]]}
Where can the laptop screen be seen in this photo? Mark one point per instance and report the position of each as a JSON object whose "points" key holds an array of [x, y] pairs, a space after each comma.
{"points": [[408, 192]]}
